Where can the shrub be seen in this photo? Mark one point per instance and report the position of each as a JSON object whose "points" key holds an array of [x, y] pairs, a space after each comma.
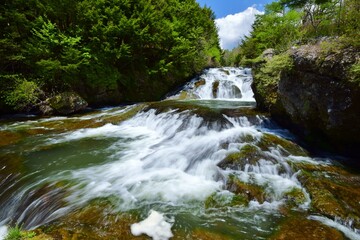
{"points": [[23, 96]]}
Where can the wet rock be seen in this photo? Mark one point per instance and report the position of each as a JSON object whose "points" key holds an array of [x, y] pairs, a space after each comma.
{"points": [[316, 97], [199, 83], [286, 147], [215, 88], [248, 154], [247, 190], [67, 103], [333, 194], [299, 227], [95, 221], [219, 200]]}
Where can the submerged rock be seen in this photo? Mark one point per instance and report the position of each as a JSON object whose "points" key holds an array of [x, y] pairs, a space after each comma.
{"points": [[95, 221], [299, 227]]}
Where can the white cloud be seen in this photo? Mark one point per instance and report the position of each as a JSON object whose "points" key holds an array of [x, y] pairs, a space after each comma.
{"points": [[233, 28]]}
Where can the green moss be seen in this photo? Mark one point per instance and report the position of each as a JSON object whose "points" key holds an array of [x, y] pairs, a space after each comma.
{"points": [[16, 233], [299, 227], [246, 190], [219, 200], [95, 221], [268, 141], [295, 197], [248, 154]]}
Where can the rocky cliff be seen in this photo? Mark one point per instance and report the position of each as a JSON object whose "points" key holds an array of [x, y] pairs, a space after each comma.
{"points": [[314, 90]]}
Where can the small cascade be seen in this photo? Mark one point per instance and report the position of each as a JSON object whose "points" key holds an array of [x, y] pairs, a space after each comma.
{"points": [[226, 83], [180, 167]]}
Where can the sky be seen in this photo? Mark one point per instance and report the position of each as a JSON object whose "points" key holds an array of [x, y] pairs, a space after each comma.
{"points": [[234, 18]]}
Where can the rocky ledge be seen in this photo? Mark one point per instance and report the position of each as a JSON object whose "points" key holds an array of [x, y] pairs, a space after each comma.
{"points": [[314, 90]]}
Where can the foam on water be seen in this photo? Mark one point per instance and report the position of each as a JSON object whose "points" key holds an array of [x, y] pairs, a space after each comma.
{"points": [[155, 226], [3, 232]]}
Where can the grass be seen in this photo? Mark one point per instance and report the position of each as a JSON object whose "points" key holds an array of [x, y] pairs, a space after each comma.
{"points": [[16, 233]]}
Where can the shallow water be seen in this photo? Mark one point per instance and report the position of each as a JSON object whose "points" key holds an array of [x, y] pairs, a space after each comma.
{"points": [[211, 164]]}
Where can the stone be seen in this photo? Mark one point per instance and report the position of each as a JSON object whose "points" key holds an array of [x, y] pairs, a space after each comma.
{"points": [[316, 98], [67, 103]]}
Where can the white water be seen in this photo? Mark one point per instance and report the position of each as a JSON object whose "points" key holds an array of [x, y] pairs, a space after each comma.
{"points": [[226, 83], [155, 226], [3, 232], [170, 160]]}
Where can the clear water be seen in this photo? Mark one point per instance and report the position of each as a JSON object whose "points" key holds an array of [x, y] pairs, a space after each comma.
{"points": [[162, 160]]}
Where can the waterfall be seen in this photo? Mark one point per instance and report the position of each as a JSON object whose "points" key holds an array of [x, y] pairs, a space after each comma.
{"points": [[226, 83], [168, 161]]}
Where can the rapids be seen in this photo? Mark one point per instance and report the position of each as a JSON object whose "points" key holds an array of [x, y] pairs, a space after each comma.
{"points": [[201, 163]]}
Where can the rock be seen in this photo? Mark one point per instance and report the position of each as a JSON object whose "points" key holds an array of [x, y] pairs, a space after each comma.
{"points": [[299, 227], [199, 83], [269, 53], [67, 103], [45, 109], [316, 97], [215, 88]]}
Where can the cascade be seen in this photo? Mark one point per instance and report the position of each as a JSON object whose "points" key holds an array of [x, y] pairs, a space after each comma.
{"points": [[208, 161]]}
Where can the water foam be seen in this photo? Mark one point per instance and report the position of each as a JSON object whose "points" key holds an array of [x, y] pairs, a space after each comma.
{"points": [[155, 226], [3, 232]]}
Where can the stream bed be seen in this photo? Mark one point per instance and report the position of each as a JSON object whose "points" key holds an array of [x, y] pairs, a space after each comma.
{"points": [[201, 164]]}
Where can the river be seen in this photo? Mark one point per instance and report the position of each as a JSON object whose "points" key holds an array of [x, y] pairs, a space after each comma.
{"points": [[201, 164]]}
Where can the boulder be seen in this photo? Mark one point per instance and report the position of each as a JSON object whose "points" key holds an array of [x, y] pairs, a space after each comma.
{"points": [[67, 103], [317, 97]]}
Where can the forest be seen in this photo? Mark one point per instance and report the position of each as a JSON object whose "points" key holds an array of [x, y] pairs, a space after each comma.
{"points": [[289, 23], [108, 52]]}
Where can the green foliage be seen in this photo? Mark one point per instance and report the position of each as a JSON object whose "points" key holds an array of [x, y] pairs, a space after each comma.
{"points": [[275, 29], [288, 22], [355, 73], [24, 94], [123, 45], [268, 76], [16, 233]]}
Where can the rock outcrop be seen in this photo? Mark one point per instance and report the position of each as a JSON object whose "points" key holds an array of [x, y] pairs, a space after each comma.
{"points": [[318, 97], [65, 103]]}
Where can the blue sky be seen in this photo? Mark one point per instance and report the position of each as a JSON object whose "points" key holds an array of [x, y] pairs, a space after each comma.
{"points": [[234, 18], [223, 8]]}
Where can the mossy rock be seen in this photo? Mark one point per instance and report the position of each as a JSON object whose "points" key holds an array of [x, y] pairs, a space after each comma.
{"points": [[247, 190], [333, 195], [199, 83], [215, 88], [295, 197], [95, 221], [248, 154], [67, 103], [299, 227], [218, 200], [287, 147], [115, 119]]}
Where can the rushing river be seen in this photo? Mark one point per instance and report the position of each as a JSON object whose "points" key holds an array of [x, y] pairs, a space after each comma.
{"points": [[202, 164]]}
